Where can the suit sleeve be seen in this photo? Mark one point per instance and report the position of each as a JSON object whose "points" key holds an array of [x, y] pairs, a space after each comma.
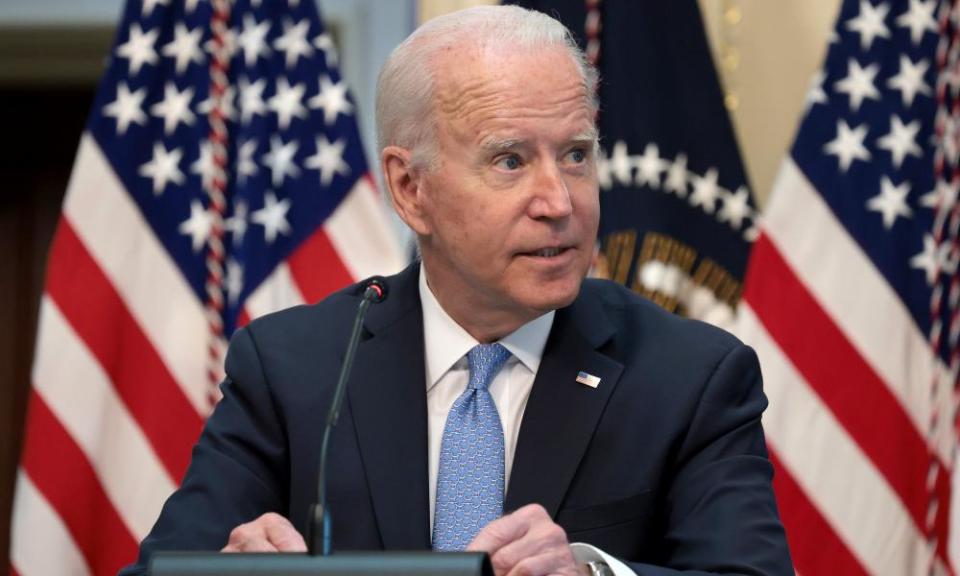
{"points": [[721, 513], [235, 473]]}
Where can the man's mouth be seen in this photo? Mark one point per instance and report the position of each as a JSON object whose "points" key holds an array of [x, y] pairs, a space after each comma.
{"points": [[547, 252]]}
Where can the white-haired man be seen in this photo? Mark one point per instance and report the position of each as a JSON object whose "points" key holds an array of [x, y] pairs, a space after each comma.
{"points": [[499, 401]]}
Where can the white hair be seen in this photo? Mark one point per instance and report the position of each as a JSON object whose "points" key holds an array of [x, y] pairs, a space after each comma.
{"points": [[405, 88]]}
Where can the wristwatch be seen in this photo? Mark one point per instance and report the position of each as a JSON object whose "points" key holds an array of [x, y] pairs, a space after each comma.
{"points": [[598, 568]]}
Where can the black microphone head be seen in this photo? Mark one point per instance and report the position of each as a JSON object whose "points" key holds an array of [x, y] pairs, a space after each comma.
{"points": [[374, 289]]}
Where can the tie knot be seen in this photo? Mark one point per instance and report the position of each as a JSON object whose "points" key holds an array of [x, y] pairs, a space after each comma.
{"points": [[485, 360]]}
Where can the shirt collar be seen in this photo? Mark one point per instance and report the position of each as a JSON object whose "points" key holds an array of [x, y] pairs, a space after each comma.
{"points": [[446, 342]]}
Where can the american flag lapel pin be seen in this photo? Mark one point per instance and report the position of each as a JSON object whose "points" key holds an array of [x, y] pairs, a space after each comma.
{"points": [[588, 379]]}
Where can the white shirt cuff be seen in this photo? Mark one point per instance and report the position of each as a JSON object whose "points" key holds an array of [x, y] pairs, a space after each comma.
{"points": [[584, 553]]}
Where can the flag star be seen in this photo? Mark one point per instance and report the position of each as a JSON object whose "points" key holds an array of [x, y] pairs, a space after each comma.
{"points": [[149, 5], [127, 107], [324, 43], [204, 166], [942, 197], [273, 217], [251, 99], [919, 19], [620, 165], [294, 3], [237, 224], [848, 145], [649, 166], [185, 47], [174, 108], [858, 84], [869, 23], [676, 181], [197, 226], [229, 44], [909, 80], [233, 280], [736, 207], [191, 6], [280, 159], [705, 191], [294, 42], [815, 93], [328, 160], [246, 166], [332, 98], [928, 259], [901, 140], [891, 202], [163, 168], [139, 48], [253, 39], [287, 103], [226, 103]]}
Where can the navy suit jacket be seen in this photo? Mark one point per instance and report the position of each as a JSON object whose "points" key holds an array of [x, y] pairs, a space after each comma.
{"points": [[662, 465]]}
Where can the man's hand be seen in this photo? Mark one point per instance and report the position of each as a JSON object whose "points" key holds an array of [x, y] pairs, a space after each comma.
{"points": [[526, 543], [268, 533]]}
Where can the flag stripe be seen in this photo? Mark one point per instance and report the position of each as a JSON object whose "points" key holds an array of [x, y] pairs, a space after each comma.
{"points": [[65, 478], [39, 542], [279, 290], [80, 394], [825, 359], [315, 282], [816, 548], [359, 229], [140, 269], [829, 466], [114, 337], [857, 298]]}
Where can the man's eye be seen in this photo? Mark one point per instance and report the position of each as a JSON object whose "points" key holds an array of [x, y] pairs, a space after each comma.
{"points": [[511, 162], [577, 155]]}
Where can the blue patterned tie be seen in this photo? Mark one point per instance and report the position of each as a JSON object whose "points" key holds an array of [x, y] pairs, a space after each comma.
{"points": [[470, 478]]}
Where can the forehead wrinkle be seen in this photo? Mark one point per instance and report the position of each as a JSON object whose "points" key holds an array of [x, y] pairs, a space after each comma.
{"points": [[481, 95]]}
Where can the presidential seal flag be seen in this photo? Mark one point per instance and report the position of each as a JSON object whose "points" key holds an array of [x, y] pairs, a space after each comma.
{"points": [[220, 176], [677, 213], [852, 299]]}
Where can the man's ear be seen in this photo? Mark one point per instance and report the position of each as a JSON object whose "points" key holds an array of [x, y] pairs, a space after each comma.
{"points": [[405, 186]]}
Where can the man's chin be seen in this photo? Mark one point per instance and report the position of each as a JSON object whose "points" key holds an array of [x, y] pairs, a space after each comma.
{"points": [[552, 295]]}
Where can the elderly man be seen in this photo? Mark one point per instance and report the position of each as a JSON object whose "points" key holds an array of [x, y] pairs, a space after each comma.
{"points": [[499, 401]]}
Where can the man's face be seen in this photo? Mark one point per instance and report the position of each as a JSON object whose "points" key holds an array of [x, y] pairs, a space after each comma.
{"points": [[511, 210]]}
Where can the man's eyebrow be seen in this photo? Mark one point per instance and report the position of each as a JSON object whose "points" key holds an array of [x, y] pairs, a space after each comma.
{"points": [[589, 136], [497, 144]]}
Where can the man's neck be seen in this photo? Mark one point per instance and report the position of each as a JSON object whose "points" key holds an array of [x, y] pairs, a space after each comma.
{"points": [[485, 324]]}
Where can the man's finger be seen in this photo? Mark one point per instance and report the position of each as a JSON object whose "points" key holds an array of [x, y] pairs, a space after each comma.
{"points": [[282, 535], [542, 537], [507, 529], [553, 562], [270, 532]]}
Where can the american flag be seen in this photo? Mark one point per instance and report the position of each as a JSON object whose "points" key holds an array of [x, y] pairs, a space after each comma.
{"points": [[851, 299], [220, 177]]}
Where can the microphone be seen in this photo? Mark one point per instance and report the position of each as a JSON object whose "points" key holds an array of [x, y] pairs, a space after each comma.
{"points": [[373, 291]]}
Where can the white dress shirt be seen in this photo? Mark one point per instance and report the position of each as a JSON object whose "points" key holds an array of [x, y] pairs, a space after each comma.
{"points": [[446, 344]]}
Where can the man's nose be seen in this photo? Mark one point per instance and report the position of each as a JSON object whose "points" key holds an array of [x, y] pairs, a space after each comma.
{"points": [[551, 196]]}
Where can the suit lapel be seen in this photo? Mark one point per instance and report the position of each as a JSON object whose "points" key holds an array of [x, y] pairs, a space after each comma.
{"points": [[387, 395], [562, 414]]}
